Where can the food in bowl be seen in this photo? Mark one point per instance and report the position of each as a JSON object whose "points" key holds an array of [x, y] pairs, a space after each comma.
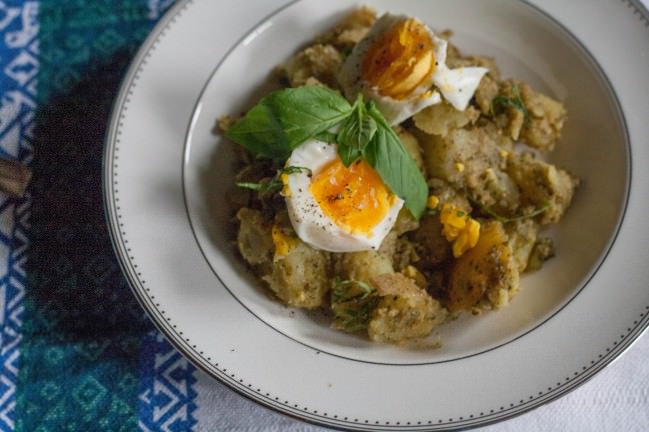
{"points": [[394, 182]]}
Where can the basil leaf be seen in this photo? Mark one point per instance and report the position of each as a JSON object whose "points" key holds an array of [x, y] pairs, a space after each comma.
{"points": [[327, 137], [348, 154], [394, 164], [355, 134], [286, 118], [260, 132]]}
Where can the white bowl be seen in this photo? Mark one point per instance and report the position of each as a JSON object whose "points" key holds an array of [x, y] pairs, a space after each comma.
{"points": [[528, 45]]}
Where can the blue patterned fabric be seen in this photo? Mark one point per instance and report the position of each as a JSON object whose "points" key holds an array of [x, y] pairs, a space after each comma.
{"points": [[19, 66], [166, 393], [77, 351]]}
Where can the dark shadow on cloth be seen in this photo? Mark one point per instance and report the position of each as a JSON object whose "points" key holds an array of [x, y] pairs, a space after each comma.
{"points": [[77, 291]]}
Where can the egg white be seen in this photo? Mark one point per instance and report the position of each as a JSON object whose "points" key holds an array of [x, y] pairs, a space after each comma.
{"points": [[456, 85], [310, 222]]}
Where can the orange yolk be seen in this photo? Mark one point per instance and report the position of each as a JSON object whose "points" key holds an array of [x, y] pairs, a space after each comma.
{"points": [[398, 61], [354, 198]]}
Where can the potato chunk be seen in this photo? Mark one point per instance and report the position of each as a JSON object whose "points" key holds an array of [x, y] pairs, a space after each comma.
{"points": [[354, 271], [316, 64], [254, 237], [412, 146], [299, 277], [522, 239], [542, 185], [351, 302], [363, 266], [485, 94], [541, 122], [295, 273], [487, 275], [440, 119], [350, 30], [404, 312], [547, 116], [473, 160]]}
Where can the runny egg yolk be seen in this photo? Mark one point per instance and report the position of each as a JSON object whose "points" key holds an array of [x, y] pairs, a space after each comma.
{"points": [[400, 59], [354, 198]]}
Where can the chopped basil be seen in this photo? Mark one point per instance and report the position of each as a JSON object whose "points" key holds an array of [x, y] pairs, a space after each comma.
{"points": [[352, 303], [505, 219], [516, 102], [274, 184]]}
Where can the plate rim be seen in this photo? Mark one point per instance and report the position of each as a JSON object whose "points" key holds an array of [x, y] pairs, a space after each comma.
{"points": [[178, 342]]}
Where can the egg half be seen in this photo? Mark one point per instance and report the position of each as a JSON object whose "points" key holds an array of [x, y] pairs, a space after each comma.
{"points": [[401, 66], [337, 208]]}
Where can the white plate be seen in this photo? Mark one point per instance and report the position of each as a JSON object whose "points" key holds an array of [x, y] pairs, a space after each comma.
{"points": [[166, 174]]}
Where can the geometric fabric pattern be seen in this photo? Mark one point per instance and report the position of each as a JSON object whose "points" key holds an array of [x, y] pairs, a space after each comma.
{"points": [[77, 351], [166, 396], [18, 77]]}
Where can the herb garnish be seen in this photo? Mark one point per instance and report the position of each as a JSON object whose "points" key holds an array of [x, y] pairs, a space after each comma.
{"points": [[355, 133], [352, 303], [342, 293], [275, 183], [394, 164], [505, 219], [284, 119], [516, 102]]}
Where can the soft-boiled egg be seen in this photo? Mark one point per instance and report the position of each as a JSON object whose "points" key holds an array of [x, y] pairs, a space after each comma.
{"points": [[401, 66], [337, 208]]}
